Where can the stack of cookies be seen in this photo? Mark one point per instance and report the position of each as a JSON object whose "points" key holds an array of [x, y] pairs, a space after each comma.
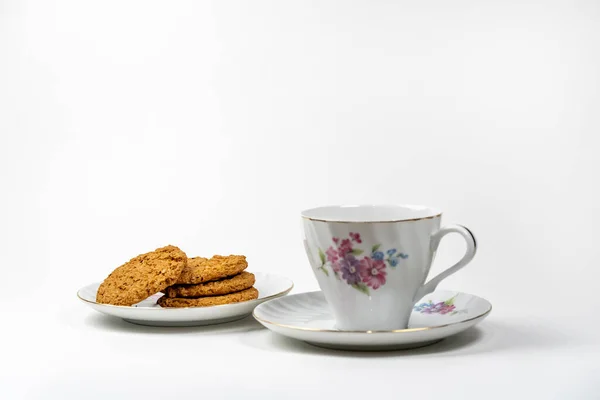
{"points": [[211, 282], [193, 282]]}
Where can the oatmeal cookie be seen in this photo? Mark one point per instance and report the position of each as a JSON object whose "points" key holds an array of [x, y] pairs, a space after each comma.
{"points": [[201, 270], [244, 295], [233, 284], [142, 276]]}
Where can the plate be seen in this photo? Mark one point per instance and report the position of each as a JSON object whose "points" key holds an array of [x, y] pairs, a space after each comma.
{"points": [[147, 312]]}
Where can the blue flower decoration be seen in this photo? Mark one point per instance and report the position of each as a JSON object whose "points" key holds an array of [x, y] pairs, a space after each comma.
{"points": [[403, 256], [378, 255], [391, 252], [393, 262]]}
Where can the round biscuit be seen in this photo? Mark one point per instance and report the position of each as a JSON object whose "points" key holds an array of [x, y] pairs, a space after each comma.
{"points": [[142, 276], [244, 295], [236, 283], [201, 270]]}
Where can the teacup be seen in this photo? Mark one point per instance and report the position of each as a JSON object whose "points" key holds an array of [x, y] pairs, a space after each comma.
{"points": [[372, 262]]}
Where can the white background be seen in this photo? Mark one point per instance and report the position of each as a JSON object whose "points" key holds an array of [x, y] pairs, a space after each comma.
{"points": [[129, 125]]}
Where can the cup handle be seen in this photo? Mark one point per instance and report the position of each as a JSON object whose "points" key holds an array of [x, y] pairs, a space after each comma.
{"points": [[435, 242]]}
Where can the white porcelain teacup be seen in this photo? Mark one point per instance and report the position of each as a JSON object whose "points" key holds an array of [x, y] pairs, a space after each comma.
{"points": [[372, 261]]}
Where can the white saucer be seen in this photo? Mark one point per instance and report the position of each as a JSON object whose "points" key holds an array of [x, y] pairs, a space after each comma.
{"points": [[306, 317], [147, 312]]}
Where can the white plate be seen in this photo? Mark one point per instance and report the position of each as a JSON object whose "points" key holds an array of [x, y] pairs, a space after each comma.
{"points": [[306, 317], [147, 312]]}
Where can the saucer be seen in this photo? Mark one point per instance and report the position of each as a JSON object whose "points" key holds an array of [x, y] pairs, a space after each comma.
{"points": [[147, 312], [306, 317]]}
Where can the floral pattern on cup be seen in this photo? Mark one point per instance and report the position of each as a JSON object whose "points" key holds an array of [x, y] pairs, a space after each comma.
{"points": [[443, 307], [362, 273]]}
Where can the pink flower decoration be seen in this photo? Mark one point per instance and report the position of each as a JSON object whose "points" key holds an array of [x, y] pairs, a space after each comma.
{"points": [[345, 247], [332, 255], [446, 309], [364, 272], [336, 267], [372, 272], [355, 237]]}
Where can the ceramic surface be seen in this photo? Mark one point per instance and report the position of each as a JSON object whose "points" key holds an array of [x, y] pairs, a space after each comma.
{"points": [[307, 317], [372, 262], [147, 312]]}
